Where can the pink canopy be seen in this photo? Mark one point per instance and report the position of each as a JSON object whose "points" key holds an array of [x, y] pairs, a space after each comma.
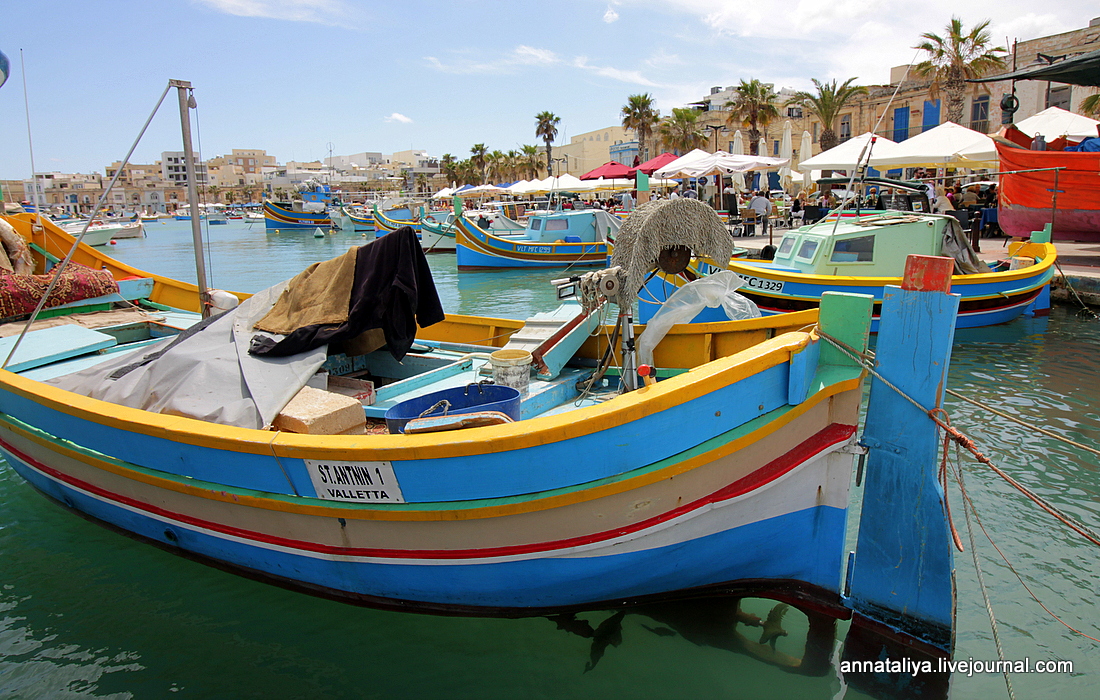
{"points": [[653, 163], [610, 171]]}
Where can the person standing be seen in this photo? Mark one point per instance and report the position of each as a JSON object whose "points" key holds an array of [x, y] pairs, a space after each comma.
{"points": [[763, 207]]}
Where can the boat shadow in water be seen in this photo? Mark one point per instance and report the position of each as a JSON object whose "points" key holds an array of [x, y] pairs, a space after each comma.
{"points": [[792, 636]]}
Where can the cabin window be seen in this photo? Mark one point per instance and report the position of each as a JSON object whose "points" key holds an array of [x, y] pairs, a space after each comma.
{"points": [[786, 247], [859, 249], [808, 249], [536, 224], [557, 224]]}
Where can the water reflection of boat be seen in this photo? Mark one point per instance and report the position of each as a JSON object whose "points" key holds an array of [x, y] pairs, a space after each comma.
{"points": [[773, 630]]}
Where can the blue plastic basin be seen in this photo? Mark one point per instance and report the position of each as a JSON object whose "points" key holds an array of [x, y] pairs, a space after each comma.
{"points": [[469, 399]]}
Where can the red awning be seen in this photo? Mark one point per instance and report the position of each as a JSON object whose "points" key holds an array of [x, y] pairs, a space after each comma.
{"points": [[609, 170], [654, 163]]}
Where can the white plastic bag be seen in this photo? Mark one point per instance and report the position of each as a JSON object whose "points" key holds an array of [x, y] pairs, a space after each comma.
{"points": [[719, 289]]}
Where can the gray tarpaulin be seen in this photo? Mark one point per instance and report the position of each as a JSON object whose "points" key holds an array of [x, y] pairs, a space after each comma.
{"points": [[956, 245], [207, 375]]}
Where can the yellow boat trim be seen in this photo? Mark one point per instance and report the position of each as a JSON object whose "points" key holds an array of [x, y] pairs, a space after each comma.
{"points": [[1044, 252], [514, 436], [351, 511]]}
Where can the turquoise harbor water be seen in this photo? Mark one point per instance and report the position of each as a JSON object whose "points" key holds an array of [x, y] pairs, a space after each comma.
{"points": [[86, 612]]}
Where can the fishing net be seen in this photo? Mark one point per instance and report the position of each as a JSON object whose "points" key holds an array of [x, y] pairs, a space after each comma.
{"points": [[667, 225]]}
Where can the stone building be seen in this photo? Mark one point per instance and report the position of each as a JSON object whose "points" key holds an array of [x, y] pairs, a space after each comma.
{"points": [[591, 149], [904, 107]]}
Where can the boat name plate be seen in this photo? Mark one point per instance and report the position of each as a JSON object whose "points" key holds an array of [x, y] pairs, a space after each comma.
{"points": [[542, 249], [354, 482], [763, 285]]}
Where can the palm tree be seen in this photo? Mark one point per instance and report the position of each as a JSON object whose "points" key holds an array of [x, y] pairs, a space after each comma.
{"points": [[531, 160], [754, 108], [494, 163], [467, 173], [681, 132], [213, 191], [640, 116], [952, 60], [511, 165], [421, 182], [447, 165], [546, 128], [826, 106], [477, 155], [1091, 105]]}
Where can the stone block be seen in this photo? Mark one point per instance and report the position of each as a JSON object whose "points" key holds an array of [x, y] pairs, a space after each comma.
{"points": [[316, 412]]}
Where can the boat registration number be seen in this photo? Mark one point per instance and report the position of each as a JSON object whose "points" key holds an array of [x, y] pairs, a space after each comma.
{"points": [[355, 482], [543, 249], [763, 285]]}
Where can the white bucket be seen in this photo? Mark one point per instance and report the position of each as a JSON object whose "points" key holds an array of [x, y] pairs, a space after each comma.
{"points": [[512, 368]]}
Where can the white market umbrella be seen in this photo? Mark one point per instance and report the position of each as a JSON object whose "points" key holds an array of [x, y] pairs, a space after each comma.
{"points": [[786, 150], [1055, 121], [482, 190], [846, 156], [738, 150], [684, 166], [569, 183], [443, 193], [946, 146], [805, 152], [762, 148]]}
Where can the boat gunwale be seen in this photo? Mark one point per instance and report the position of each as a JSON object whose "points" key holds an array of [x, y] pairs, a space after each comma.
{"points": [[490, 507], [1043, 263], [626, 408]]}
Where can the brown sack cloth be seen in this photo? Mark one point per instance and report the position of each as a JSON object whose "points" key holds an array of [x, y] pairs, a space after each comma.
{"points": [[318, 295]]}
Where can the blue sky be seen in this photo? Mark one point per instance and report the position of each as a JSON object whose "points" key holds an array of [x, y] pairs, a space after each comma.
{"points": [[292, 76]]}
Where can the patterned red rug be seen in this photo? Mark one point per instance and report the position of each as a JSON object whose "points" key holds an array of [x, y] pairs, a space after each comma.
{"points": [[19, 294]]}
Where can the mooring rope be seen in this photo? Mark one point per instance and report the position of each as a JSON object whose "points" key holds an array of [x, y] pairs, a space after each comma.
{"points": [[981, 578], [968, 502], [951, 434], [1024, 423], [1084, 307], [866, 361]]}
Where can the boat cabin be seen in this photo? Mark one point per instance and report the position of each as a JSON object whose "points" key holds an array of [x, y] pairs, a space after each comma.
{"points": [[875, 245], [589, 226]]}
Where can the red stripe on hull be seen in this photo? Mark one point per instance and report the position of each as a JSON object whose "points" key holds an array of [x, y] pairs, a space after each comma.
{"points": [[815, 444]]}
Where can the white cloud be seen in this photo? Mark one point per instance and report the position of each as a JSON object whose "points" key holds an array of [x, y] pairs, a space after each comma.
{"points": [[663, 59], [611, 15], [625, 76], [334, 12], [398, 117], [520, 56]]}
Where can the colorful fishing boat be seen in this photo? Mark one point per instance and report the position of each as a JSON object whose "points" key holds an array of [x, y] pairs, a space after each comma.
{"points": [[866, 254], [352, 220], [438, 231], [309, 212], [393, 219], [554, 239], [1056, 188], [730, 472]]}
